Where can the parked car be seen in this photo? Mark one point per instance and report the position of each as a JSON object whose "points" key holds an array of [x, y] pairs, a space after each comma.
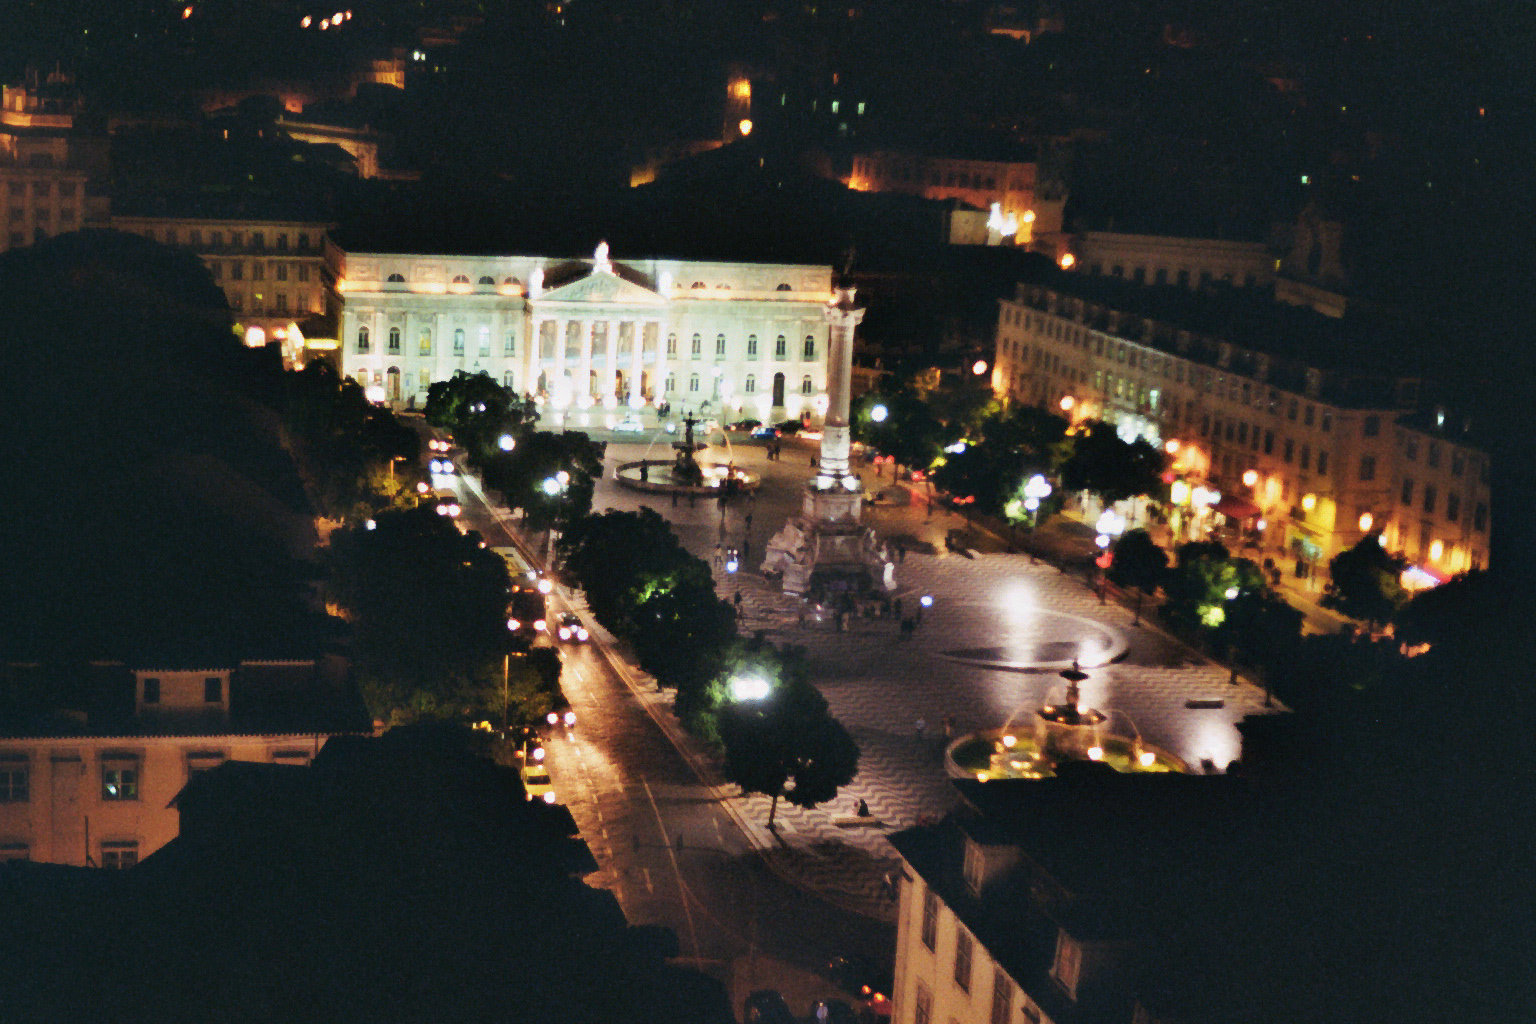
{"points": [[744, 425], [762, 430], [630, 424], [536, 781]]}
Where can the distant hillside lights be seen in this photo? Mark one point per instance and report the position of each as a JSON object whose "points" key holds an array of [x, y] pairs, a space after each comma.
{"points": [[336, 20]]}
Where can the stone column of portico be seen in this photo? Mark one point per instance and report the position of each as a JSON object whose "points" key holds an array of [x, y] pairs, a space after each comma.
{"points": [[584, 385], [636, 368], [611, 346], [663, 329], [842, 316], [535, 350], [562, 335]]}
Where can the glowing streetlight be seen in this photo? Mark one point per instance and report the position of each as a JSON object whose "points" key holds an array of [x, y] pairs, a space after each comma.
{"points": [[550, 486], [878, 414], [1067, 402], [1250, 477], [506, 442], [979, 367], [1366, 522], [1067, 261], [745, 688]]}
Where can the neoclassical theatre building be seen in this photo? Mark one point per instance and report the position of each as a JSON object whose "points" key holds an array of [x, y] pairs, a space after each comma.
{"points": [[588, 337]]}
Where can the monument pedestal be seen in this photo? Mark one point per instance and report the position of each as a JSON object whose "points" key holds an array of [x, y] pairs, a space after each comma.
{"points": [[826, 550]]}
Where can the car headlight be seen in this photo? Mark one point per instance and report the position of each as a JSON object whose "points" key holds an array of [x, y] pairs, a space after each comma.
{"points": [[570, 719], [540, 625], [549, 797], [581, 633]]}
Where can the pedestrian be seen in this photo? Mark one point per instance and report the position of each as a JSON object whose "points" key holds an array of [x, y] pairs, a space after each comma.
{"points": [[896, 606], [717, 555], [922, 728], [674, 499], [949, 726], [888, 885], [738, 602], [861, 809], [748, 520], [901, 552]]}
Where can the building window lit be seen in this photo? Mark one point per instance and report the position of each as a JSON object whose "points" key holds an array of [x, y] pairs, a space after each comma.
{"points": [[363, 341], [424, 344], [119, 783]]}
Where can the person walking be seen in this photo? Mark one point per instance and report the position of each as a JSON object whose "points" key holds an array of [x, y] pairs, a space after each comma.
{"points": [[922, 729]]}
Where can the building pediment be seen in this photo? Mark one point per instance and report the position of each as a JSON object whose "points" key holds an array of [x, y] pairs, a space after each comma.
{"points": [[605, 287]]}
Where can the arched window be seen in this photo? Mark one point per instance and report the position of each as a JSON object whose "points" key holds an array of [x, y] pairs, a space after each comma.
{"points": [[784, 288], [394, 341], [363, 342], [751, 344], [778, 389], [698, 345], [487, 282], [719, 344], [424, 344], [750, 386], [512, 282], [810, 348], [458, 341], [697, 284], [723, 286], [805, 385], [460, 279], [780, 347], [693, 382], [671, 347], [395, 279]]}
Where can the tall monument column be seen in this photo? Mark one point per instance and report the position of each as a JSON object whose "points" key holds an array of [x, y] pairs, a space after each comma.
{"points": [[842, 316], [825, 552]]}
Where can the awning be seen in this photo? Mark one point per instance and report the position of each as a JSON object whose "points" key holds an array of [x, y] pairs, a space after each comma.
{"points": [[1234, 507]]}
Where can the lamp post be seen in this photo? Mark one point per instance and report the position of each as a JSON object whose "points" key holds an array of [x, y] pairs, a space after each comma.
{"points": [[1036, 489], [1110, 525]]}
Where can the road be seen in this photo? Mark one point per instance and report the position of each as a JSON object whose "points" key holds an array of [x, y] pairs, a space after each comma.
{"points": [[667, 848]]}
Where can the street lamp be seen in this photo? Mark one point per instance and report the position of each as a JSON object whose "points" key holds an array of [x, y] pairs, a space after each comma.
{"points": [[878, 414], [745, 688], [506, 442]]}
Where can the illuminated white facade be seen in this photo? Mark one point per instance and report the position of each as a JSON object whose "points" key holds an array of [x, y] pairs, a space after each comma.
{"points": [[732, 340]]}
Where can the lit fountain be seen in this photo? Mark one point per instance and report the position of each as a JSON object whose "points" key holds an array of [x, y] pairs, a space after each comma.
{"points": [[1065, 731]]}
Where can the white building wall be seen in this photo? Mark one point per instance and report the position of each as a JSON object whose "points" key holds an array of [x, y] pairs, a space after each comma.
{"points": [[563, 332]]}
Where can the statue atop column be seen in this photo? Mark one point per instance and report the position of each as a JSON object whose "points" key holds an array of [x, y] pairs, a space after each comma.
{"points": [[600, 261]]}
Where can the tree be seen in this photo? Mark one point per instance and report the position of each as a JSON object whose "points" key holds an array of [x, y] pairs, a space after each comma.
{"points": [[1111, 468], [477, 411], [1138, 562], [1454, 613], [428, 611], [910, 433], [529, 477], [785, 744], [620, 559], [1366, 581]]}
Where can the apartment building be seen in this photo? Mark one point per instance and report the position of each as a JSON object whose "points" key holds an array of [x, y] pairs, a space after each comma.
{"points": [[1283, 424], [49, 169], [95, 783], [1173, 260], [270, 268]]}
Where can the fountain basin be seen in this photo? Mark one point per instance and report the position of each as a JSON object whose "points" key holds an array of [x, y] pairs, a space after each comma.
{"points": [[655, 476], [984, 755]]}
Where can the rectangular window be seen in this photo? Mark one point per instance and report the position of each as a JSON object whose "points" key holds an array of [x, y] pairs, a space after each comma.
{"points": [[151, 690], [922, 1012], [1327, 423], [1269, 442], [810, 348], [671, 344], [1480, 517], [751, 344], [119, 782], [117, 856], [15, 782], [303, 240], [780, 347], [303, 272], [1406, 497], [217, 270], [510, 346], [1067, 963], [1290, 449], [696, 347], [258, 240], [719, 344], [1458, 463], [213, 690], [1322, 462], [1430, 494], [258, 271], [281, 302], [1452, 507], [236, 270], [282, 271], [282, 242], [424, 343], [930, 933], [1306, 462], [1002, 996], [1432, 456], [485, 341], [1367, 467], [1290, 410], [458, 341], [963, 959]]}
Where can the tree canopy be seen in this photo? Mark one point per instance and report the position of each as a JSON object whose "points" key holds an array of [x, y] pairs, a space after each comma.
{"points": [[530, 477], [1366, 581], [786, 743], [428, 611], [1103, 464], [477, 411]]}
